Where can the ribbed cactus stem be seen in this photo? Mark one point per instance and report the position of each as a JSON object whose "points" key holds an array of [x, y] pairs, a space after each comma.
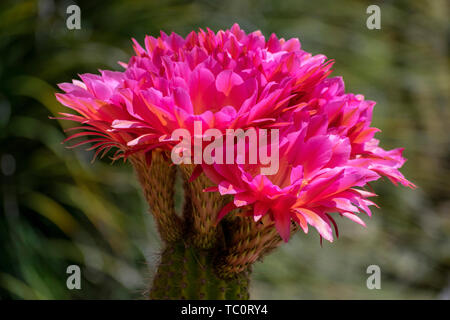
{"points": [[158, 181], [247, 242], [203, 210], [188, 272], [202, 258]]}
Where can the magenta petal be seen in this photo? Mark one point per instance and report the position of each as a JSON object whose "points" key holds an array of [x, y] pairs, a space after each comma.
{"points": [[223, 212], [260, 210], [226, 80], [283, 225], [316, 221]]}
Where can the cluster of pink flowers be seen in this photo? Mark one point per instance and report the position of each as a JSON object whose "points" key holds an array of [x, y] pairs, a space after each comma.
{"points": [[230, 80]]}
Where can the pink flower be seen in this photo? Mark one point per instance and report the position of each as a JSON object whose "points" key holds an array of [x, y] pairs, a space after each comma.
{"points": [[226, 80], [325, 154], [230, 80]]}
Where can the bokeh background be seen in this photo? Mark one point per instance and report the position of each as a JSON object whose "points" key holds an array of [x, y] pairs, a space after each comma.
{"points": [[58, 209]]}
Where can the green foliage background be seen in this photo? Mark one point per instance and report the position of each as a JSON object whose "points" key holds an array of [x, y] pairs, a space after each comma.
{"points": [[59, 209]]}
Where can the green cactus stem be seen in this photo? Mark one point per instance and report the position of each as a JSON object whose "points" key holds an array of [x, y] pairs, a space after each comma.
{"points": [[187, 272], [201, 259]]}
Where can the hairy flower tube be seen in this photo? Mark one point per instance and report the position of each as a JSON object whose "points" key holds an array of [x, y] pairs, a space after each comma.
{"points": [[233, 214]]}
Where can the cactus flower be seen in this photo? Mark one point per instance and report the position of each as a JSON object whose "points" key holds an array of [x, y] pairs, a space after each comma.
{"points": [[233, 214]]}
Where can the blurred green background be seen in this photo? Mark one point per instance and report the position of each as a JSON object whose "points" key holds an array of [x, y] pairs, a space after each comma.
{"points": [[58, 209]]}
